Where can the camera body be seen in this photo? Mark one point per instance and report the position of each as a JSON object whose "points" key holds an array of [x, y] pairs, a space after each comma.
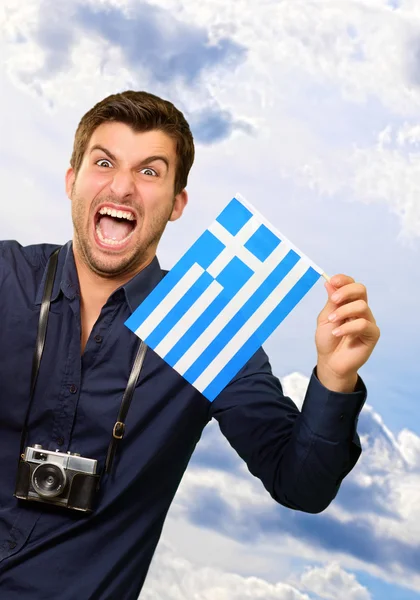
{"points": [[62, 479]]}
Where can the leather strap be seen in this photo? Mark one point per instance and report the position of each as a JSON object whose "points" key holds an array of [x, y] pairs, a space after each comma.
{"points": [[43, 318], [40, 338], [119, 427]]}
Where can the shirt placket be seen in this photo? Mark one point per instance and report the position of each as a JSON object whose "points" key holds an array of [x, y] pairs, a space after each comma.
{"points": [[71, 384]]}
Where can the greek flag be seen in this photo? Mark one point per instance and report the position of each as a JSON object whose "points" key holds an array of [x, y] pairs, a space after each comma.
{"points": [[223, 298]]}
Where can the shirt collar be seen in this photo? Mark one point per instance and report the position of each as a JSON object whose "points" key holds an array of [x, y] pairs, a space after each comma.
{"points": [[67, 282], [142, 284]]}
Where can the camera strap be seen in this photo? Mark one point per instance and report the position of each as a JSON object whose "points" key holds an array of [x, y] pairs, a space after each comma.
{"points": [[119, 427], [40, 339]]}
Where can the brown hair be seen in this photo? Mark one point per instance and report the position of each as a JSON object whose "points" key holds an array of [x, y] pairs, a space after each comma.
{"points": [[143, 112]]}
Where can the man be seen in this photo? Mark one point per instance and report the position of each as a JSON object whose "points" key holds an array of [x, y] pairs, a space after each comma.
{"points": [[129, 167]]}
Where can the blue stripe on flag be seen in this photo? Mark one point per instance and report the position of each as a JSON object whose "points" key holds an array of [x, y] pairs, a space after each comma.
{"points": [[261, 334], [233, 284], [242, 315], [204, 251], [179, 310], [234, 216]]}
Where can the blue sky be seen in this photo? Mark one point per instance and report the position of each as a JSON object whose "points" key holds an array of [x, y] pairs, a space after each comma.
{"points": [[309, 109]]}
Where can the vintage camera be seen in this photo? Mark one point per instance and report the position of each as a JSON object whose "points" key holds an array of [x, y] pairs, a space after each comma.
{"points": [[58, 478]]}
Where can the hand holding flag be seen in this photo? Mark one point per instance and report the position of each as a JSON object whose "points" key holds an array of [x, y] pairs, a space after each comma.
{"points": [[346, 334]]}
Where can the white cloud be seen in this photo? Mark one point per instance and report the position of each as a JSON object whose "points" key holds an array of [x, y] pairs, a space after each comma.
{"points": [[409, 444], [174, 578], [317, 60], [308, 62], [332, 582], [390, 172], [26, 58], [294, 386], [387, 172], [363, 47]]}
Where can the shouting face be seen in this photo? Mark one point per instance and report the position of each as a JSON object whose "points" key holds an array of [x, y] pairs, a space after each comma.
{"points": [[122, 198]]}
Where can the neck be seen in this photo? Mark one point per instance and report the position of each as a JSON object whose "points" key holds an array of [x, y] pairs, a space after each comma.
{"points": [[95, 289], [94, 292]]}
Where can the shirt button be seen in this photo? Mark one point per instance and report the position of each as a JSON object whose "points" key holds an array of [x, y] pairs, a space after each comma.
{"points": [[60, 441], [341, 417], [98, 339], [73, 389], [12, 544]]}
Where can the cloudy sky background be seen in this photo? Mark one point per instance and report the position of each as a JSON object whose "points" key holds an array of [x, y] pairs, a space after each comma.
{"points": [[310, 109]]}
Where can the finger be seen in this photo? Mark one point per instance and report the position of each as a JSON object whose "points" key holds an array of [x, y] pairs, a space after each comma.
{"points": [[355, 309], [331, 290], [340, 279], [330, 306], [359, 327], [349, 292]]}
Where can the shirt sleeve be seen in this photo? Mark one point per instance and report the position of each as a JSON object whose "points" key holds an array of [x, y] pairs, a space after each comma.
{"points": [[301, 457]]}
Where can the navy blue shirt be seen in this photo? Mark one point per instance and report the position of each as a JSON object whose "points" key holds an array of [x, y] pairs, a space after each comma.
{"points": [[48, 552]]}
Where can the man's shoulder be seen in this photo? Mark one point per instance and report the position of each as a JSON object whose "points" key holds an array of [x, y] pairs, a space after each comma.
{"points": [[17, 258], [34, 254]]}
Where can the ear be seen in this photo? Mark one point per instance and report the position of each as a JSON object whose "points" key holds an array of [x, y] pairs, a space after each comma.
{"points": [[181, 201], [70, 178]]}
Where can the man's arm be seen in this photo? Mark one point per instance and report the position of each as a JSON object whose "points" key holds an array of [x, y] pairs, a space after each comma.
{"points": [[301, 457]]}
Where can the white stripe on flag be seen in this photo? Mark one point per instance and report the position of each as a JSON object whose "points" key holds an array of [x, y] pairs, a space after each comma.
{"points": [[234, 246], [169, 301], [249, 328], [230, 310], [221, 261], [185, 322]]}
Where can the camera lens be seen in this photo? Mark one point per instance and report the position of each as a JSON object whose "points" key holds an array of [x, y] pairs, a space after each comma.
{"points": [[49, 480]]}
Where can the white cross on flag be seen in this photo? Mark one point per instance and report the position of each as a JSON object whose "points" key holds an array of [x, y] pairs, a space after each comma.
{"points": [[224, 297]]}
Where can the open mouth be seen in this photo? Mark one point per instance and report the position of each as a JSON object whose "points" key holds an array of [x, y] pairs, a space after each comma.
{"points": [[114, 227]]}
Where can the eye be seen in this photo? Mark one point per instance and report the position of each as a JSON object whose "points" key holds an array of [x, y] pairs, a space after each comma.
{"points": [[102, 160], [148, 171]]}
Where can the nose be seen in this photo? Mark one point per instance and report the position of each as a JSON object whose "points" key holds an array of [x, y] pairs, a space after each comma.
{"points": [[122, 184]]}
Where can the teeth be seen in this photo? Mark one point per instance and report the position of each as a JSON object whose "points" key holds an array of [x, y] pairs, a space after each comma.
{"points": [[121, 214], [111, 242]]}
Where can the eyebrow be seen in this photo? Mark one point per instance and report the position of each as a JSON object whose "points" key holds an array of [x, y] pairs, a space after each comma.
{"points": [[146, 161]]}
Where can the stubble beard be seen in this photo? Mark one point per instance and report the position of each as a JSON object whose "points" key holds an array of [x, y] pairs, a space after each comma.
{"points": [[140, 255]]}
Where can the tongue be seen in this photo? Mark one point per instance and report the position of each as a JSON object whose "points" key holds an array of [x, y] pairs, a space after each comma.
{"points": [[115, 229]]}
